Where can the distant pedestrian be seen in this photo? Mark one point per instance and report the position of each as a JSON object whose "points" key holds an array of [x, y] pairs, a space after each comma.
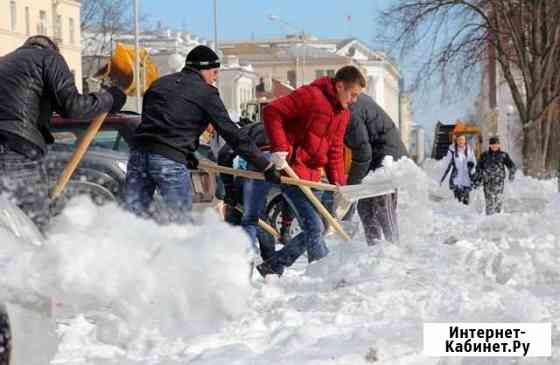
{"points": [[491, 173], [460, 161]]}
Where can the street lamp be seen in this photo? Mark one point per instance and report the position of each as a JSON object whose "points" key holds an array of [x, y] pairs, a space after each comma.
{"points": [[275, 18], [216, 26]]}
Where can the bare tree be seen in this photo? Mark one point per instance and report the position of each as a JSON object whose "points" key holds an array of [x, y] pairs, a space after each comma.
{"points": [[521, 36], [101, 21]]}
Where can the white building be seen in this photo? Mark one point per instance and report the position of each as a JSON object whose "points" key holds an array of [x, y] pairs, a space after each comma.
{"points": [[406, 119], [417, 148], [237, 85], [298, 60], [59, 20], [168, 51], [383, 76]]}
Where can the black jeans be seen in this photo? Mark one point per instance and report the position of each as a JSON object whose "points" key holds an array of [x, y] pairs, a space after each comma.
{"points": [[462, 194], [24, 182], [379, 218]]}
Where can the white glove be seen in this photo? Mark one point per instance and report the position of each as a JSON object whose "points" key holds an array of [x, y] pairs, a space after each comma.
{"points": [[387, 161], [279, 160]]}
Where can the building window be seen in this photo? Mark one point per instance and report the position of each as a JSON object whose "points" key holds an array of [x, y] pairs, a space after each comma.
{"points": [[71, 30], [322, 73], [292, 78], [43, 25], [58, 28], [27, 21], [13, 15]]}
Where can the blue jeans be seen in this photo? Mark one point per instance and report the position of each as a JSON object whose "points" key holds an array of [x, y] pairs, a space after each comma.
{"points": [[147, 171], [310, 239]]}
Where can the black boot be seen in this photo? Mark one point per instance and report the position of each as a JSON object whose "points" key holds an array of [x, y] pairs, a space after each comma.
{"points": [[266, 269]]}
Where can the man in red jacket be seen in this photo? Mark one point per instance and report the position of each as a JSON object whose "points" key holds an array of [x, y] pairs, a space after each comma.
{"points": [[306, 131]]}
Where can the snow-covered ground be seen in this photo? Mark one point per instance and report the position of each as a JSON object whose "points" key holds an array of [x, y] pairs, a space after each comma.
{"points": [[131, 292]]}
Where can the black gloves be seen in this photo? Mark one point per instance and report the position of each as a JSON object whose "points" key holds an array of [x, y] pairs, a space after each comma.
{"points": [[119, 99], [192, 161], [272, 175]]}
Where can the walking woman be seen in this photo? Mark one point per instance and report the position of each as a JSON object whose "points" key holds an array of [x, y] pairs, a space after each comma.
{"points": [[460, 161]]}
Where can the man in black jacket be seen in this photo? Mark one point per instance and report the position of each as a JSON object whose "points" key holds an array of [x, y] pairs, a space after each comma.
{"points": [[35, 81], [491, 172], [233, 186], [177, 109], [375, 142]]}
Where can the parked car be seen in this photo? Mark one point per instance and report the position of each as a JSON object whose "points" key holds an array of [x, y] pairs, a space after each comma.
{"points": [[102, 171]]}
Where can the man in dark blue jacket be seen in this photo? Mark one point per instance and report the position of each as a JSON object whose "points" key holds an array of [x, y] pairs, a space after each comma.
{"points": [[35, 81], [375, 142], [176, 110]]}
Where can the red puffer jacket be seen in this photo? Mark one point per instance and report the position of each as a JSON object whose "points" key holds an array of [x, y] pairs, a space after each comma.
{"points": [[310, 124]]}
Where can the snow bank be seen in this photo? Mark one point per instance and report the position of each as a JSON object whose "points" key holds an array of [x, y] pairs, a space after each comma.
{"points": [[364, 305], [136, 279], [177, 295]]}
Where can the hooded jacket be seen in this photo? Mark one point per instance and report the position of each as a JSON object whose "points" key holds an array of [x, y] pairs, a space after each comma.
{"points": [[371, 135]]}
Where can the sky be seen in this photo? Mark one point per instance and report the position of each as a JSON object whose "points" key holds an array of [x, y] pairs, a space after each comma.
{"points": [[246, 19]]}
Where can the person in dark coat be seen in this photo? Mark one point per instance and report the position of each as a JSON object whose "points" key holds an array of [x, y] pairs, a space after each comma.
{"points": [[491, 173], [233, 186], [375, 142], [35, 81], [176, 110]]}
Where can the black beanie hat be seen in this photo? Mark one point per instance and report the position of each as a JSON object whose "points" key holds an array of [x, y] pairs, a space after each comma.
{"points": [[494, 140], [202, 58]]}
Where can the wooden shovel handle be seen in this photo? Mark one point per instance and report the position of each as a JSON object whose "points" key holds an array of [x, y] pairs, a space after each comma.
{"points": [[211, 166], [264, 225], [318, 205], [77, 155]]}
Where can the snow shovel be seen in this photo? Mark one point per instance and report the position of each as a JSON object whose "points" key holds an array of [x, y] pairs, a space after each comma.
{"points": [[374, 187], [77, 155], [318, 205], [211, 166], [264, 225]]}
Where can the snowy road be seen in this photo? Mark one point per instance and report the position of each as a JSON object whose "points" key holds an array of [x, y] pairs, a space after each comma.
{"points": [[189, 301]]}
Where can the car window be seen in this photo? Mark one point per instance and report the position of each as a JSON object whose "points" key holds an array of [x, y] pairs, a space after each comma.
{"points": [[67, 138], [106, 139], [110, 139]]}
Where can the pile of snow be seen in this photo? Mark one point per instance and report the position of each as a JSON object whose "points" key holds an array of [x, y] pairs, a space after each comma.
{"points": [[139, 282], [136, 293]]}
